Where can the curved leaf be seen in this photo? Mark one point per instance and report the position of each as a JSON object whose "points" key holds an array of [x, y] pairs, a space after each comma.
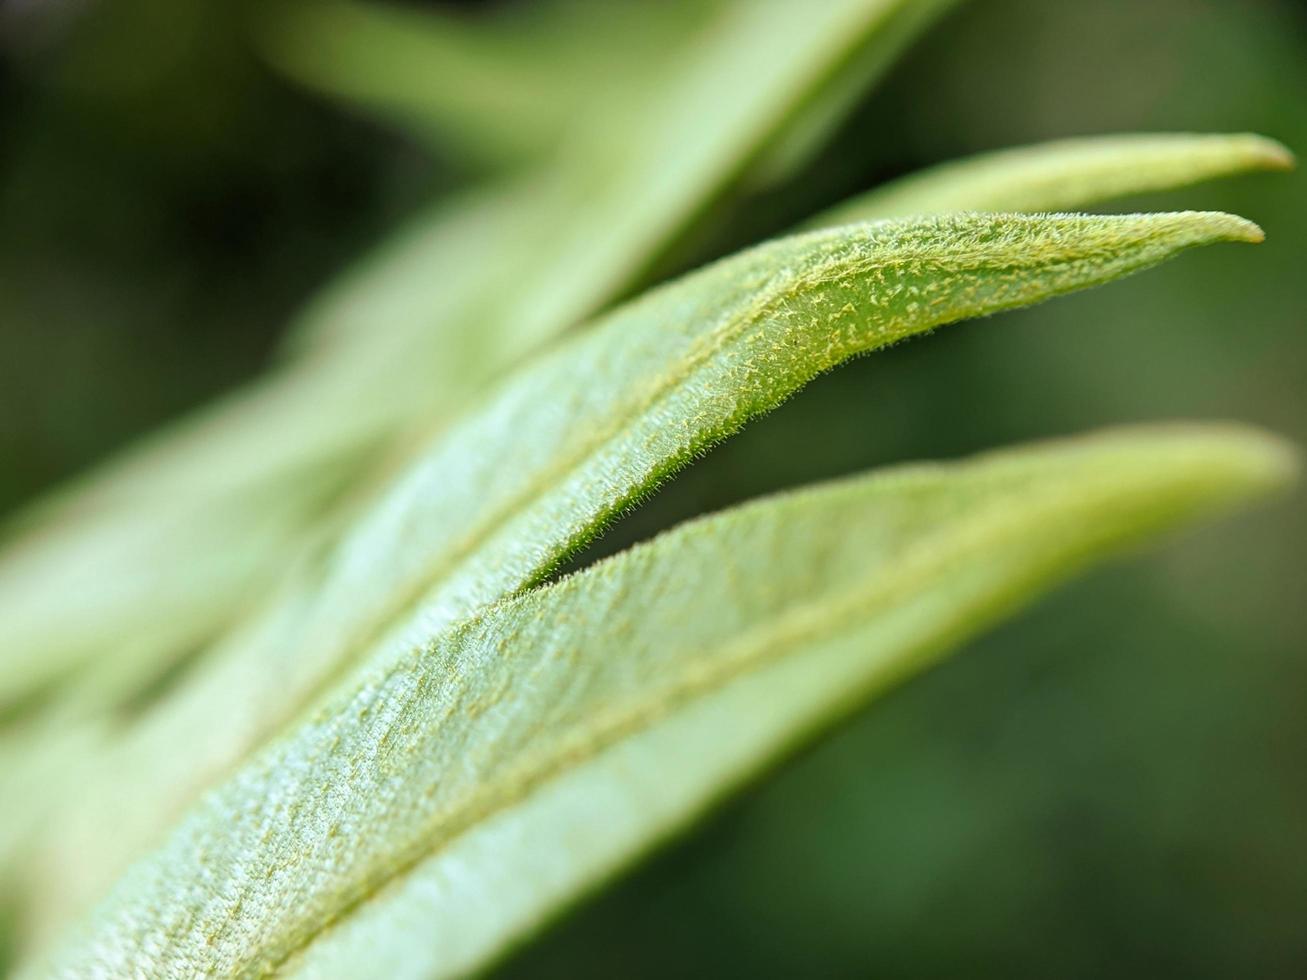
{"points": [[1064, 175], [540, 468], [179, 528], [649, 680]]}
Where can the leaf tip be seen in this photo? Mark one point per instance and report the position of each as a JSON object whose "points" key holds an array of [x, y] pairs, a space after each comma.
{"points": [[1255, 460], [1269, 154], [1248, 231], [1219, 226], [1274, 461]]}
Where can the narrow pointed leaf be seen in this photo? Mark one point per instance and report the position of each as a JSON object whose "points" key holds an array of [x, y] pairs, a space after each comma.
{"points": [[553, 247], [544, 464], [1064, 175], [653, 678], [593, 220]]}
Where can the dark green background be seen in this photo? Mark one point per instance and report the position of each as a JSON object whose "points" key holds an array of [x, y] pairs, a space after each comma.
{"points": [[1114, 785]]}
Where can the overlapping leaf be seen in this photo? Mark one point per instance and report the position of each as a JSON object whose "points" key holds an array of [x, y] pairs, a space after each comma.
{"points": [[539, 469], [404, 633], [462, 293], [457, 793]]}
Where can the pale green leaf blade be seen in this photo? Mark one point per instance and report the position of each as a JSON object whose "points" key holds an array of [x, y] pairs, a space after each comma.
{"points": [[492, 506], [615, 198], [142, 585], [1075, 172], [429, 70], [428, 321], [1064, 175], [500, 84], [372, 802]]}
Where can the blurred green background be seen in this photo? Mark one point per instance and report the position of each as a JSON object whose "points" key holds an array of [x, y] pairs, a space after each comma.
{"points": [[1112, 785]]}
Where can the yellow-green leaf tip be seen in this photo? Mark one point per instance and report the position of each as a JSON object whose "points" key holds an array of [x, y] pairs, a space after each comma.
{"points": [[1249, 460], [1267, 460], [1218, 226], [1267, 153]]}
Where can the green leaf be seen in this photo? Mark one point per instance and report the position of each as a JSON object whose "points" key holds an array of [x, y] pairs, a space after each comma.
{"points": [[596, 216], [810, 131], [457, 794], [143, 579], [1064, 175], [498, 85], [164, 548], [491, 507]]}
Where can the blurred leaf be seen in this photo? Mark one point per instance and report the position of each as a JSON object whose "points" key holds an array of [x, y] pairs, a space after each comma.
{"points": [[597, 216], [809, 132], [537, 471], [1064, 175], [460, 295], [149, 578], [503, 85], [427, 68], [446, 801]]}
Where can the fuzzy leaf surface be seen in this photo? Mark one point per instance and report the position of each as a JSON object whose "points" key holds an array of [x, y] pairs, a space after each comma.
{"points": [[167, 545], [540, 468], [447, 798]]}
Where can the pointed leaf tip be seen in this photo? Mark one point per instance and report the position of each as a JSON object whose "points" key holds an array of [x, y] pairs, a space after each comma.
{"points": [[1268, 153], [1242, 230], [1219, 226], [1244, 461], [1265, 461]]}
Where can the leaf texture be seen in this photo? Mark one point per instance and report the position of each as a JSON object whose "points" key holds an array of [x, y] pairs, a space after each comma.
{"points": [[161, 550], [539, 469], [658, 676]]}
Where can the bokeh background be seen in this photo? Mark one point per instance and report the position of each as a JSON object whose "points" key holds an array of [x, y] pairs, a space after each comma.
{"points": [[1115, 784]]}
